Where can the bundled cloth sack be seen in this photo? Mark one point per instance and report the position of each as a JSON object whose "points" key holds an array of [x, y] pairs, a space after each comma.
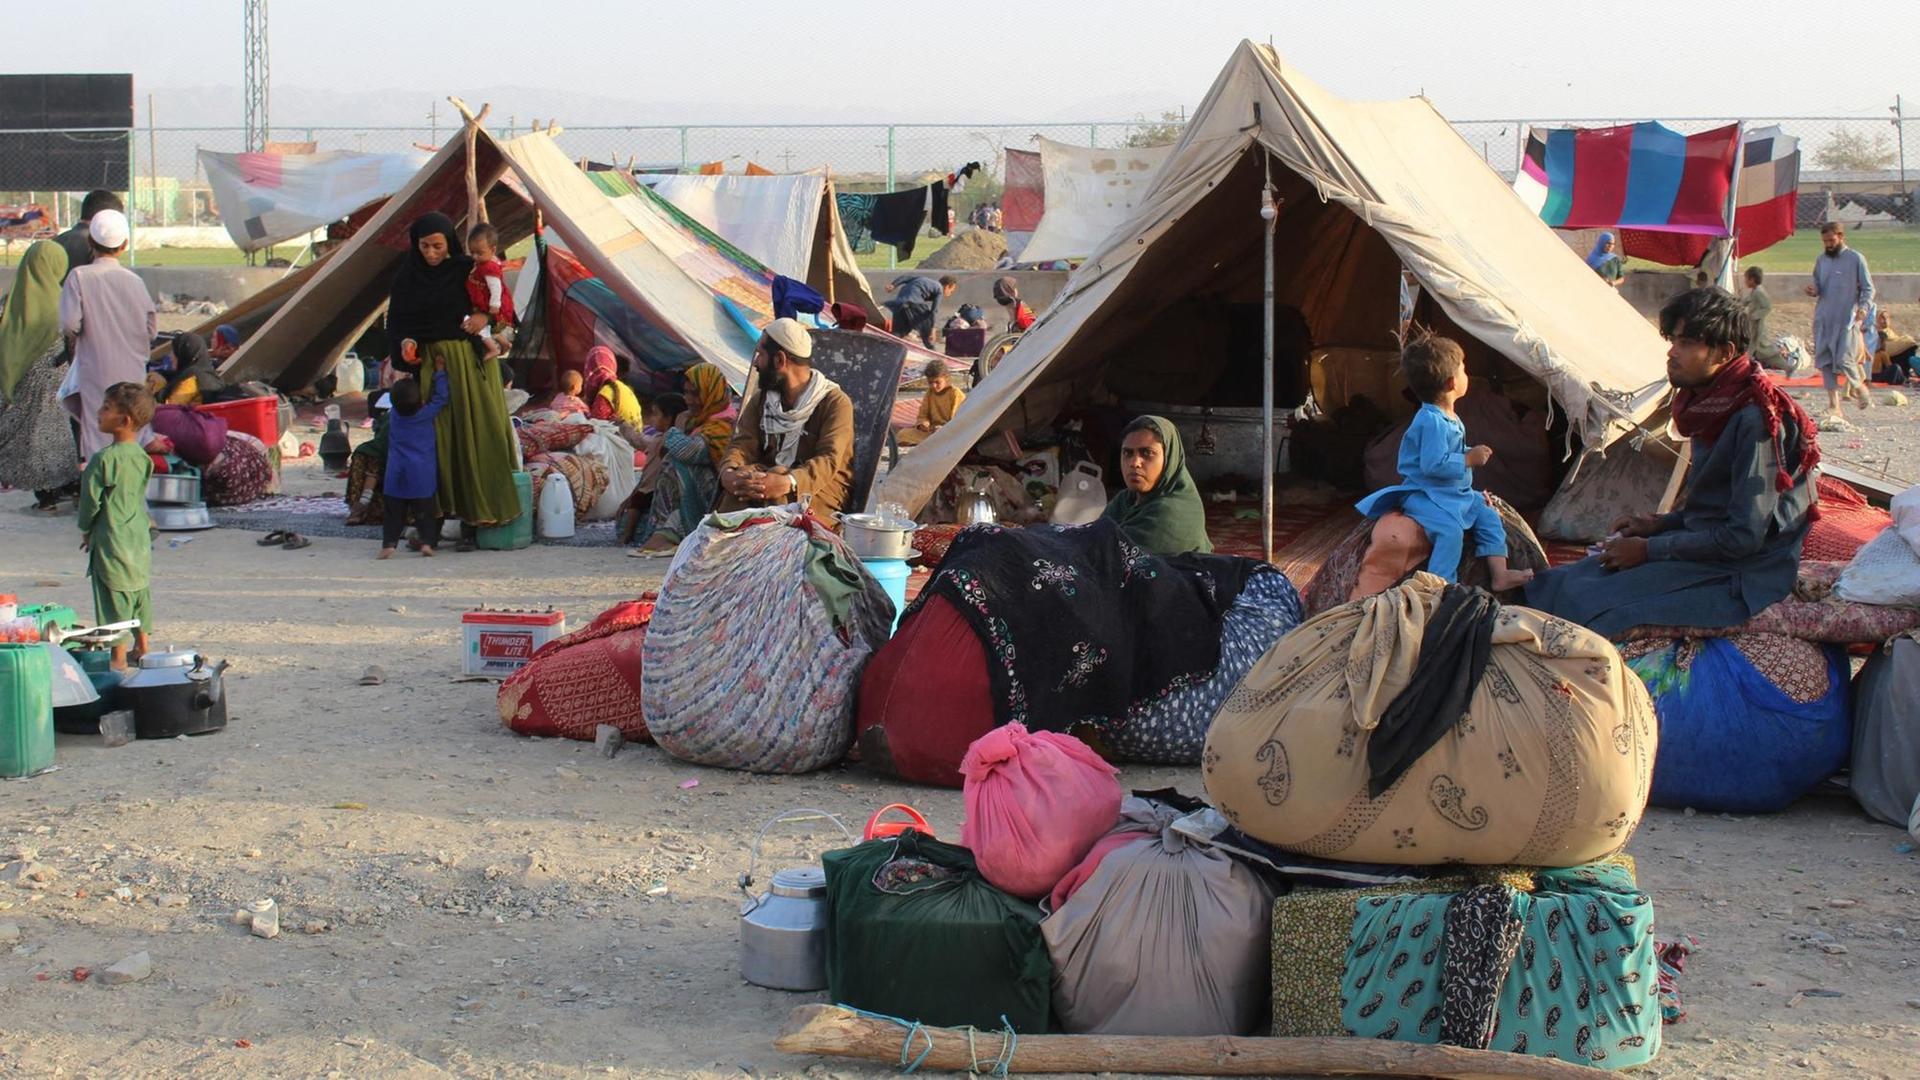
{"points": [[1555, 963], [1747, 723], [1887, 569], [925, 697], [1074, 629], [1036, 803], [1164, 936], [1885, 776], [763, 625], [1428, 724], [914, 931], [587, 678]]}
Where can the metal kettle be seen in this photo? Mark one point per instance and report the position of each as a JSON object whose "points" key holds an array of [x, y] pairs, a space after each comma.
{"points": [[976, 504], [783, 931]]}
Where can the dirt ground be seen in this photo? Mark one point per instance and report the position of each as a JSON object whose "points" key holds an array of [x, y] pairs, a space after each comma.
{"points": [[488, 905]]}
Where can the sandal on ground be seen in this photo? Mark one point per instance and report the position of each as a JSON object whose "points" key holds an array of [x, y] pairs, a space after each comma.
{"points": [[649, 553], [274, 538], [294, 542]]}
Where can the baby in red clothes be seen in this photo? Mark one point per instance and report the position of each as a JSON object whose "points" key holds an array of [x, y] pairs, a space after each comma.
{"points": [[487, 289]]}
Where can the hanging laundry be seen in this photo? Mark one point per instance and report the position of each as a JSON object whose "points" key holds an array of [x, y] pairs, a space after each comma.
{"points": [[897, 218], [856, 218], [791, 297], [957, 180], [938, 213]]}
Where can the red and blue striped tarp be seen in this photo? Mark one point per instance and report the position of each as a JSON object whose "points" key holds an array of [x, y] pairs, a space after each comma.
{"points": [[1643, 176]]}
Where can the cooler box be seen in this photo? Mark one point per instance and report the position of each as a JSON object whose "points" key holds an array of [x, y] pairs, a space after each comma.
{"points": [[501, 642], [258, 417]]}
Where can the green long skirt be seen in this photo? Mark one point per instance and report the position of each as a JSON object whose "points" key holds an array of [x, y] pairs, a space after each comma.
{"points": [[474, 437]]}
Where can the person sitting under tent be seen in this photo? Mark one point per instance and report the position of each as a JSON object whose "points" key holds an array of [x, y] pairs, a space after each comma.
{"points": [[1160, 508], [1732, 547], [794, 437], [683, 460], [937, 408], [607, 397]]}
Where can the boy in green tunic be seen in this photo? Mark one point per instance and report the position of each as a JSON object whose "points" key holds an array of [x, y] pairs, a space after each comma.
{"points": [[114, 523]]}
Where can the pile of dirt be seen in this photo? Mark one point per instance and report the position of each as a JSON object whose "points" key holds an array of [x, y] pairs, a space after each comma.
{"points": [[975, 249]]}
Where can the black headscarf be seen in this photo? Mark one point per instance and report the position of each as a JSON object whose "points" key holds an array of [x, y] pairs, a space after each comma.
{"points": [[190, 358], [428, 302]]}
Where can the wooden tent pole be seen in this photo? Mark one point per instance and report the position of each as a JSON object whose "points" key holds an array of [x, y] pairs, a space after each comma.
{"points": [[831, 214], [476, 208], [831, 1030]]}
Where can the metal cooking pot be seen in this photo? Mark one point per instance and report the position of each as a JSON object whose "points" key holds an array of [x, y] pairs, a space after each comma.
{"points": [[175, 693], [173, 488], [976, 505], [783, 931], [181, 518], [871, 536]]}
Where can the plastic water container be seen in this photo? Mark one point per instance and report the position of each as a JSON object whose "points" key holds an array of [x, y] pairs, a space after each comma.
{"points": [[26, 710], [517, 533], [556, 507], [892, 576], [1083, 496]]}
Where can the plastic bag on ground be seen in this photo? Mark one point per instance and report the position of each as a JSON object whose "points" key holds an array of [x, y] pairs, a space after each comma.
{"points": [[1036, 803]]}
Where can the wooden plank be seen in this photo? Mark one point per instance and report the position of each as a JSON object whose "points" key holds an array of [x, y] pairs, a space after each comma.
{"points": [[834, 1031]]}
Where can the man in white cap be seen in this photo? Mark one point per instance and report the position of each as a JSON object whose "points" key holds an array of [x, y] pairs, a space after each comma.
{"points": [[108, 317], [794, 437]]}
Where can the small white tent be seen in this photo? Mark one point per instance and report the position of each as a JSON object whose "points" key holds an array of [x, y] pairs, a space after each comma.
{"points": [[1364, 188]]}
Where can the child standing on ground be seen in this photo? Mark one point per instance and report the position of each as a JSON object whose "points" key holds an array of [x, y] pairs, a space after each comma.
{"points": [[412, 477], [1436, 467], [487, 289], [116, 531]]}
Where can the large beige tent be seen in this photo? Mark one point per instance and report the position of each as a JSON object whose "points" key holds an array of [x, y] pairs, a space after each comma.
{"points": [[1364, 188]]}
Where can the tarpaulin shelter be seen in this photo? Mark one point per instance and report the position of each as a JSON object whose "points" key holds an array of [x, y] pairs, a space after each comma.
{"points": [[1363, 189], [693, 295], [265, 198], [1088, 192], [790, 222]]}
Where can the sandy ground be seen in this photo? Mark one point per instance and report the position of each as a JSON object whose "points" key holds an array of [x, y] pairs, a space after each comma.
{"points": [[490, 905]]}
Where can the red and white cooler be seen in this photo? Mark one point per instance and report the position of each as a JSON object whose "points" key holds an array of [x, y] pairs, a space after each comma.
{"points": [[500, 643]]}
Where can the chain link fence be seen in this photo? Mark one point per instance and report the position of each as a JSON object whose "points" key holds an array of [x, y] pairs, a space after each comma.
{"points": [[1860, 161]]}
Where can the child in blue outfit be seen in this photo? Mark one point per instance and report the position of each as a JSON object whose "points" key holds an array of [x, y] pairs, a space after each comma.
{"points": [[412, 476], [1436, 468]]}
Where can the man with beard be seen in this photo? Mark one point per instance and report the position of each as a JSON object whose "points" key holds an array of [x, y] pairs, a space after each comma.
{"points": [[1845, 292], [1732, 546], [794, 437]]}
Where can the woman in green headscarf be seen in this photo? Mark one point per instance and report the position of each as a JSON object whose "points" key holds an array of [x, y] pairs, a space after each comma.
{"points": [[1160, 508], [37, 451]]}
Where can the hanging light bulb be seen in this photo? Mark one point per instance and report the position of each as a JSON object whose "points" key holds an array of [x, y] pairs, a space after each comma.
{"points": [[1268, 210]]}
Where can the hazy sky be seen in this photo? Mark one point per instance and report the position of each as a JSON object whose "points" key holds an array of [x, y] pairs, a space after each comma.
{"points": [[988, 60]]}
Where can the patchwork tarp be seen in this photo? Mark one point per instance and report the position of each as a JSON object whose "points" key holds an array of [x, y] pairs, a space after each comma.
{"points": [[1089, 192], [1365, 188], [266, 198], [1643, 175]]}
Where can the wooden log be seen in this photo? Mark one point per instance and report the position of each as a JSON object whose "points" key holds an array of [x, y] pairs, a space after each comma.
{"points": [[471, 121], [832, 1031]]}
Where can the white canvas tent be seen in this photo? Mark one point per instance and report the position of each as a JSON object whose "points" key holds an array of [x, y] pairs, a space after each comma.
{"points": [[1364, 188], [788, 221]]}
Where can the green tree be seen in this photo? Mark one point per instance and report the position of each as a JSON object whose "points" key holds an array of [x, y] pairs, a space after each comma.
{"points": [[1162, 132], [1847, 150]]}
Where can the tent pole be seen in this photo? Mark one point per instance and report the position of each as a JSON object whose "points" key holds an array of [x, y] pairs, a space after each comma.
{"points": [[1270, 216]]}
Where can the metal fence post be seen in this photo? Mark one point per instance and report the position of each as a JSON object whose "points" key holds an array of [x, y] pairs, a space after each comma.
{"points": [[683, 149], [1093, 135], [133, 197], [893, 253]]}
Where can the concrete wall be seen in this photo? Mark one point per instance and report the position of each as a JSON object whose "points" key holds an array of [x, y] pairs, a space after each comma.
{"points": [[1646, 290], [1037, 287], [226, 285]]}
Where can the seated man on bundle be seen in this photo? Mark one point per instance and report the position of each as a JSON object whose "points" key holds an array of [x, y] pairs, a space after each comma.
{"points": [[1732, 547], [794, 436]]}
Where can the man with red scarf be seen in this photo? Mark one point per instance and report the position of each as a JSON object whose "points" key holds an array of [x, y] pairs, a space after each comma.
{"points": [[1732, 546]]}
